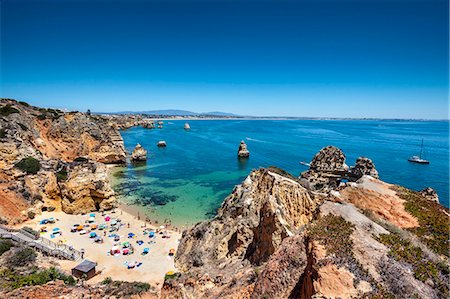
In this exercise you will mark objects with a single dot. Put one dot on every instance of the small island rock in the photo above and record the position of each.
(364, 166)
(243, 151)
(139, 153)
(162, 143)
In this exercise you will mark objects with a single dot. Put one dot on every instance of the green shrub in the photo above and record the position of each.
(23, 127)
(31, 231)
(7, 110)
(2, 133)
(424, 269)
(61, 175)
(24, 103)
(29, 165)
(31, 214)
(42, 116)
(22, 257)
(432, 217)
(124, 288)
(107, 280)
(81, 159)
(5, 245)
(15, 281)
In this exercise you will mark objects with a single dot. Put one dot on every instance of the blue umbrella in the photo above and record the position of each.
(130, 235)
(92, 215)
(56, 229)
(92, 234)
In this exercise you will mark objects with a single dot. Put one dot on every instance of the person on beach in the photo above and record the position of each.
(128, 224)
(82, 253)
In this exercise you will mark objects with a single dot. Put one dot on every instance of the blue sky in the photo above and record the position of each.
(384, 59)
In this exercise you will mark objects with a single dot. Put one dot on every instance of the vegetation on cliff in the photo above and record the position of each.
(29, 165)
(433, 220)
(8, 110)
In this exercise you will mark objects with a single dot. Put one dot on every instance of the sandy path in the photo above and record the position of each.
(154, 265)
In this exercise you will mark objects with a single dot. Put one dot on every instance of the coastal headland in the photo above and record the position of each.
(335, 231)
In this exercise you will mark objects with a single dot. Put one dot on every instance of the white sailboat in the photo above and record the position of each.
(419, 159)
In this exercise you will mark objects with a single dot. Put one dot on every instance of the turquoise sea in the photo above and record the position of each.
(187, 181)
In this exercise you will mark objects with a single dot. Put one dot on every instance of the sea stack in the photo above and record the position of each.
(243, 151)
(162, 143)
(160, 125)
(139, 153)
(187, 126)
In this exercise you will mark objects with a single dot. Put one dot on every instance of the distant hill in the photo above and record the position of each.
(175, 112)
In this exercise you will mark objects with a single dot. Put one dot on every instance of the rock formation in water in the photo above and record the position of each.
(148, 124)
(364, 166)
(274, 238)
(187, 126)
(430, 194)
(139, 153)
(243, 151)
(41, 151)
(162, 143)
(328, 168)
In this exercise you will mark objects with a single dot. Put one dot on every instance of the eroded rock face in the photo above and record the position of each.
(87, 189)
(430, 193)
(364, 166)
(55, 139)
(324, 169)
(139, 153)
(327, 169)
(250, 226)
(243, 151)
(329, 159)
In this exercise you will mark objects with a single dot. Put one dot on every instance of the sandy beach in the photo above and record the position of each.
(154, 265)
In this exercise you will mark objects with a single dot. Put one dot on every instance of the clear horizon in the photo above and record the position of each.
(368, 59)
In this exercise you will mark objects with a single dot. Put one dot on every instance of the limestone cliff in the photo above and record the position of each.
(50, 159)
(275, 238)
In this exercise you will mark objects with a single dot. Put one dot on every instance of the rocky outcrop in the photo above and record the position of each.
(139, 153)
(242, 150)
(364, 166)
(250, 226)
(328, 168)
(187, 126)
(430, 194)
(161, 143)
(87, 189)
(55, 142)
(275, 238)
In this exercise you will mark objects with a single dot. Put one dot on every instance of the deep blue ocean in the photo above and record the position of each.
(187, 181)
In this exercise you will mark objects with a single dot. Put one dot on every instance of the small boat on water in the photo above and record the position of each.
(418, 159)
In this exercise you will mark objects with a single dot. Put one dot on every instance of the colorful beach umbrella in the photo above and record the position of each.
(92, 215)
(56, 229)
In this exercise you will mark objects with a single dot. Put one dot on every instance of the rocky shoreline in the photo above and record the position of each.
(335, 231)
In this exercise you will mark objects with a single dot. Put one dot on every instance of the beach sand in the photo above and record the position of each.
(154, 265)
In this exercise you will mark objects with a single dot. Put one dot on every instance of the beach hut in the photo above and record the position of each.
(85, 269)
